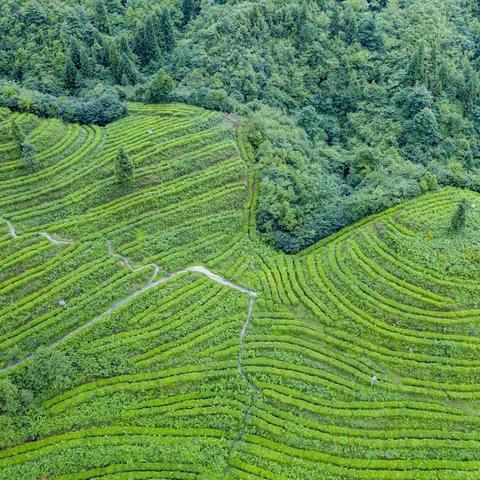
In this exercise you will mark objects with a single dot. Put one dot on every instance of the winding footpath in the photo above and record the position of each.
(53, 240)
(56, 241)
(256, 393)
(152, 283)
(10, 227)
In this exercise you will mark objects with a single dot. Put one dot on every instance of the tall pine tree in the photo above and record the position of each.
(165, 35)
(416, 72)
(124, 169)
(101, 20)
(190, 8)
(71, 76)
(145, 43)
(459, 218)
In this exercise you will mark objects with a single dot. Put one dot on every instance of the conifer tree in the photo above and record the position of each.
(469, 95)
(79, 56)
(101, 48)
(460, 216)
(101, 19)
(145, 44)
(416, 69)
(127, 71)
(77, 65)
(114, 61)
(166, 37)
(124, 46)
(71, 76)
(124, 70)
(124, 169)
(190, 8)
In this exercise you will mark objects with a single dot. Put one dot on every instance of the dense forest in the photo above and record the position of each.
(351, 106)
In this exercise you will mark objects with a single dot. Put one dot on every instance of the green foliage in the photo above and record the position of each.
(190, 9)
(146, 42)
(459, 218)
(100, 106)
(136, 372)
(71, 76)
(28, 152)
(9, 397)
(398, 79)
(49, 371)
(416, 71)
(124, 168)
(160, 88)
(101, 19)
(16, 133)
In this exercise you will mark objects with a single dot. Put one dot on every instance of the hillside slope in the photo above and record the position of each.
(169, 342)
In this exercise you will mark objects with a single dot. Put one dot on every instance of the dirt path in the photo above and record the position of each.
(126, 261)
(56, 241)
(53, 240)
(11, 228)
(152, 284)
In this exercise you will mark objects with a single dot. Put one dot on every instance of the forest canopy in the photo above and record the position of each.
(351, 106)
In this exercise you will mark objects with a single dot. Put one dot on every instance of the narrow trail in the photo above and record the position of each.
(11, 228)
(126, 261)
(256, 393)
(56, 241)
(152, 284)
(53, 240)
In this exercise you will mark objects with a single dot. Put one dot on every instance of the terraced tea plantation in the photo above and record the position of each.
(150, 334)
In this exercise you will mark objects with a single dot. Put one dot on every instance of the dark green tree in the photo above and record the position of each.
(310, 121)
(425, 128)
(459, 218)
(416, 72)
(165, 30)
(470, 92)
(50, 370)
(29, 160)
(71, 76)
(101, 49)
(9, 397)
(190, 8)
(145, 44)
(127, 71)
(124, 46)
(114, 61)
(101, 19)
(364, 161)
(124, 168)
(123, 63)
(160, 87)
(350, 27)
(77, 65)
(79, 55)
(416, 99)
(441, 77)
